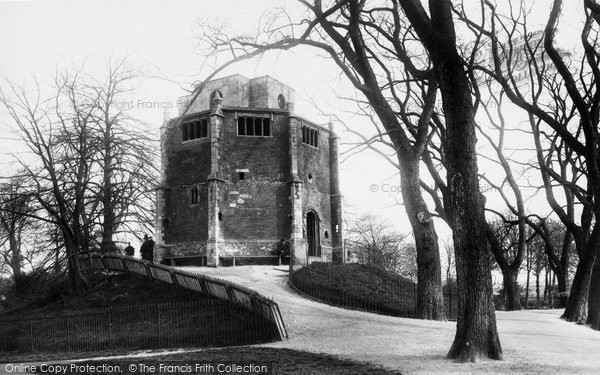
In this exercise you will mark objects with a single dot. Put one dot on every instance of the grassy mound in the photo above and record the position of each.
(103, 291)
(129, 311)
(358, 286)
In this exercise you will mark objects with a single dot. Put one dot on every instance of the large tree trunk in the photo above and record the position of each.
(430, 298)
(476, 333)
(576, 310)
(593, 318)
(72, 240)
(562, 279)
(511, 290)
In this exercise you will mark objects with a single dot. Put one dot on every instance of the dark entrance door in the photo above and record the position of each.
(312, 234)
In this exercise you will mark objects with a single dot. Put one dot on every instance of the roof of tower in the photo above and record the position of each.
(238, 91)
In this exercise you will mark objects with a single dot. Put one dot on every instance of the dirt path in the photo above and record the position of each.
(534, 341)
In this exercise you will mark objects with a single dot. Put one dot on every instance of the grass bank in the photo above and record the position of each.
(129, 311)
(358, 286)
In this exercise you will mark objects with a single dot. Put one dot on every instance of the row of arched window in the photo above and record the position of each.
(310, 136)
(254, 126)
(194, 130)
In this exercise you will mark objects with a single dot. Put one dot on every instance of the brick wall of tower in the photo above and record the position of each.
(187, 165)
(243, 216)
(254, 209)
(315, 192)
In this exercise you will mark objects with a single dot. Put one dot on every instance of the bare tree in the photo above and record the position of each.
(561, 99)
(126, 157)
(87, 168)
(373, 241)
(15, 208)
(60, 181)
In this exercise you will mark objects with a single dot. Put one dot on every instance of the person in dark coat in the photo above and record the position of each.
(283, 250)
(129, 250)
(147, 248)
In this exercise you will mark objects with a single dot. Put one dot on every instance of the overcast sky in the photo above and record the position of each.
(157, 37)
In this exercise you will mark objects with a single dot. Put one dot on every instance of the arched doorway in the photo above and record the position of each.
(312, 234)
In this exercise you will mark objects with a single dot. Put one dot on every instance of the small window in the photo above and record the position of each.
(326, 234)
(310, 177)
(310, 136)
(194, 195)
(196, 129)
(258, 129)
(241, 126)
(204, 129)
(249, 126)
(242, 175)
(220, 215)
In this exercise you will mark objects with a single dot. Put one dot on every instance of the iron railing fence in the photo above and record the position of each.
(204, 323)
(387, 297)
(207, 285)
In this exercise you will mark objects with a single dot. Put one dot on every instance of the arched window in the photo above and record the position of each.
(310, 136)
(194, 130)
(254, 126)
(204, 128)
(312, 234)
(281, 101)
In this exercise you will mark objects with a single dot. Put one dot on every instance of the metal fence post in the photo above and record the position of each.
(31, 334)
(158, 323)
(110, 335)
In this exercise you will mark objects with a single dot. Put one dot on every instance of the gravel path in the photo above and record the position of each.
(534, 341)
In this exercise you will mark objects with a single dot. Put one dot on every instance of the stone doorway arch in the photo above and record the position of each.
(313, 237)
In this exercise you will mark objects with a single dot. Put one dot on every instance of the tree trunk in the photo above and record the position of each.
(576, 306)
(476, 331)
(528, 267)
(562, 279)
(108, 224)
(76, 279)
(430, 297)
(593, 318)
(511, 290)
(71, 242)
(15, 261)
(537, 288)
(15, 250)
(546, 296)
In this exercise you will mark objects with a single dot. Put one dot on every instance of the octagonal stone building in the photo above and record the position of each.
(240, 171)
